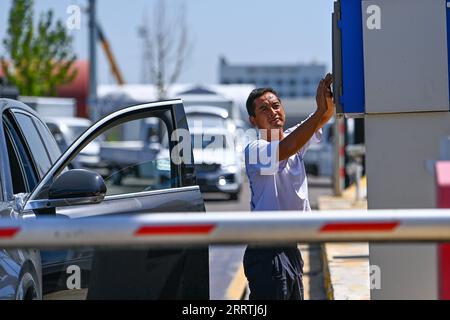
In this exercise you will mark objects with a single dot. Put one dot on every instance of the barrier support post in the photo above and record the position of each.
(443, 201)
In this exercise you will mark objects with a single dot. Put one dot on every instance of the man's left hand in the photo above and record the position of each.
(328, 94)
(325, 96)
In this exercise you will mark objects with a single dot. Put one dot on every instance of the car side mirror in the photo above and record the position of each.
(78, 184)
(73, 187)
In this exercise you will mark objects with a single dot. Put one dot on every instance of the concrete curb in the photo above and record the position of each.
(238, 287)
(345, 201)
(326, 274)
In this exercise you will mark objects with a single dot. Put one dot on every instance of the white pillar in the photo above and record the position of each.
(397, 149)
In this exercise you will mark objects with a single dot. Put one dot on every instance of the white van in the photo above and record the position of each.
(217, 160)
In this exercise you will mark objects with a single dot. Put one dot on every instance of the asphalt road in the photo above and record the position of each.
(225, 261)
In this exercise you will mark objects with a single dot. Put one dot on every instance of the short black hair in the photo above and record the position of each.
(255, 94)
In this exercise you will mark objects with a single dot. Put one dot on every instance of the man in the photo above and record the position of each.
(276, 172)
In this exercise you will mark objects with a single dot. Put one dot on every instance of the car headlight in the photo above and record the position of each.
(230, 168)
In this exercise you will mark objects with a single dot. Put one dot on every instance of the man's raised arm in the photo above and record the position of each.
(303, 133)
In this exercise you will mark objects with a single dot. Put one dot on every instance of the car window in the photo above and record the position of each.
(76, 131)
(17, 172)
(35, 143)
(73, 133)
(23, 175)
(50, 142)
(132, 158)
(59, 136)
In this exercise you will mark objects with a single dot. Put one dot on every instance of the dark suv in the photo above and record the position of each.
(37, 180)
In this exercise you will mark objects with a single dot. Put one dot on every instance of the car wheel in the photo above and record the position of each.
(27, 288)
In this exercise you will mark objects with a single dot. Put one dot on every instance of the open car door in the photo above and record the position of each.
(152, 180)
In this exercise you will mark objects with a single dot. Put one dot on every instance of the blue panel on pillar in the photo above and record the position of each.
(353, 98)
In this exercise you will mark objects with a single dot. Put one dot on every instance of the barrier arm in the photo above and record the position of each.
(165, 230)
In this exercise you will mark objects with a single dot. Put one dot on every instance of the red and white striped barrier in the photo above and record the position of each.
(156, 230)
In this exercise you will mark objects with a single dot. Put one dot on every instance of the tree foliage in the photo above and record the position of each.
(40, 56)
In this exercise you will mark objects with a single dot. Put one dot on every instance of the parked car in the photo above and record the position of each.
(149, 144)
(36, 182)
(218, 163)
(66, 130)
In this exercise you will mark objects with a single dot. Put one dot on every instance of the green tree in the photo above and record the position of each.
(40, 56)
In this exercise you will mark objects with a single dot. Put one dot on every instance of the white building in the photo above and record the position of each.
(290, 81)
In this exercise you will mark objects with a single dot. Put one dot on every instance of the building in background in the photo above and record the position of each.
(290, 81)
(230, 97)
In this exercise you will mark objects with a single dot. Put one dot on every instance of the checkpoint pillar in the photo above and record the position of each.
(391, 66)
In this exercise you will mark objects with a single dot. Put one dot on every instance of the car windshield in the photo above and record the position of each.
(206, 121)
(210, 141)
(77, 130)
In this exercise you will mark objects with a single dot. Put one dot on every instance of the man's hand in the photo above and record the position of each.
(324, 99)
(328, 94)
(320, 98)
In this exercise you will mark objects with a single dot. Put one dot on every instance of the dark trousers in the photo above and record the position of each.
(274, 273)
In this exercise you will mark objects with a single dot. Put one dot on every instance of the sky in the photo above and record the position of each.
(243, 31)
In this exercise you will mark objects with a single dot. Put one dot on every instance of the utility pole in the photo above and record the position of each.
(143, 33)
(92, 99)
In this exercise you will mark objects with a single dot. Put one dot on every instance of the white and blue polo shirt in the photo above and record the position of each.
(277, 185)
